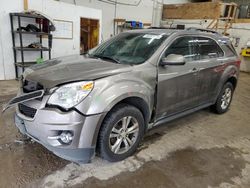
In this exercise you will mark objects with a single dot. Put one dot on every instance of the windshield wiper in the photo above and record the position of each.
(107, 58)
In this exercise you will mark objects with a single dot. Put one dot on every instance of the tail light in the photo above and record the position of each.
(238, 63)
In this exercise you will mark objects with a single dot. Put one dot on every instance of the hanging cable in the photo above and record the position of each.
(107, 2)
(127, 4)
(112, 2)
(115, 3)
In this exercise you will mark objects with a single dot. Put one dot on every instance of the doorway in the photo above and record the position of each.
(89, 34)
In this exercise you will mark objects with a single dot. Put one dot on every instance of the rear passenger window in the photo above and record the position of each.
(185, 46)
(208, 48)
(228, 50)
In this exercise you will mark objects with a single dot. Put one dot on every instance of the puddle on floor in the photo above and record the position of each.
(183, 168)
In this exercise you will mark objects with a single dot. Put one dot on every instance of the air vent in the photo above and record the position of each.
(27, 111)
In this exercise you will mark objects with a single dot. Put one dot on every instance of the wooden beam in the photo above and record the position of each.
(25, 5)
(233, 4)
(242, 21)
(207, 10)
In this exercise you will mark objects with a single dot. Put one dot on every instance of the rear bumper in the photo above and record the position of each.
(50, 122)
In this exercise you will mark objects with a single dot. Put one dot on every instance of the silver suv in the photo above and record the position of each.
(105, 100)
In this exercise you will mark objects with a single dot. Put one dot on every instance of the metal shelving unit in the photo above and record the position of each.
(22, 64)
(120, 25)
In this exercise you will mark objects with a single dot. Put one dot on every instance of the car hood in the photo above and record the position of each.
(72, 68)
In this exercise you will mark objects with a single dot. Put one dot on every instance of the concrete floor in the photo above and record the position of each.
(200, 150)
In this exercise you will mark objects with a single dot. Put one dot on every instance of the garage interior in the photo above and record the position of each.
(201, 150)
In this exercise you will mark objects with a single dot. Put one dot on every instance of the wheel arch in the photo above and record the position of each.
(139, 103)
(230, 74)
(135, 101)
(233, 80)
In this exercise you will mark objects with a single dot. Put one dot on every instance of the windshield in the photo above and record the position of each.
(129, 48)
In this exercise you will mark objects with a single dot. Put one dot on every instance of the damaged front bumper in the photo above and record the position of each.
(47, 124)
(78, 155)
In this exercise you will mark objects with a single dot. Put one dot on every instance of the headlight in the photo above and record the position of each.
(70, 95)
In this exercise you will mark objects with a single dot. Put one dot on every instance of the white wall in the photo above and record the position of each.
(143, 12)
(66, 9)
(7, 61)
(241, 30)
(55, 10)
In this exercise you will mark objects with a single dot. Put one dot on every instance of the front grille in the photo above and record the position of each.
(25, 97)
(30, 86)
(27, 111)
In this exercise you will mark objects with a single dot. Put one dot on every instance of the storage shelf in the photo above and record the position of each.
(120, 25)
(21, 14)
(32, 33)
(25, 64)
(31, 49)
(16, 23)
(128, 27)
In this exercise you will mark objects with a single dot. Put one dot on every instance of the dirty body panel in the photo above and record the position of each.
(164, 90)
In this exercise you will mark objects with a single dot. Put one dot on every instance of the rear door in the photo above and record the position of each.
(210, 68)
(177, 88)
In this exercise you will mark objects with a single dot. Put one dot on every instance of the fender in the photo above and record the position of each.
(110, 91)
(229, 72)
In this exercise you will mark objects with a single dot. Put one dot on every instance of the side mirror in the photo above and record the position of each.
(173, 59)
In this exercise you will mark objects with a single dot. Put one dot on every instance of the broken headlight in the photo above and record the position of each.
(69, 95)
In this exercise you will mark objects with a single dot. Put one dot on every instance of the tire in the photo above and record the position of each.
(224, 99)
(114, 144)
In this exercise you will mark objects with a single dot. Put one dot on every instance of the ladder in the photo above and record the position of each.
(224, 23)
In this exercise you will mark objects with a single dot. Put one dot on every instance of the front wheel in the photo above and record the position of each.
(121, 133)
(224, 100)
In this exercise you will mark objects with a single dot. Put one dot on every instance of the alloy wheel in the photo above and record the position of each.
(226, 98)
(123, 135)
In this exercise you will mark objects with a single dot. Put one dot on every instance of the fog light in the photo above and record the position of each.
(66, 137)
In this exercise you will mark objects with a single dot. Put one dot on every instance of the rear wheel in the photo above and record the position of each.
(224, 100)
(121, 133)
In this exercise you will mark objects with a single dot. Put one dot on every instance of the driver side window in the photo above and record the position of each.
(185, 46)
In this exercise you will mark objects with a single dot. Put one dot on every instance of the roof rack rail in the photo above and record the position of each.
(203, 30)
(174, 28)
(160, 28)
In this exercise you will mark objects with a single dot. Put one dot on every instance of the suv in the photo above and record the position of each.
(105, 100)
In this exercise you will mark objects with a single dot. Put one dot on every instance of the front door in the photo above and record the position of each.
(177, 88)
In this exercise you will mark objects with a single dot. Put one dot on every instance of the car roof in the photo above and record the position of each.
(192, 31)
(154, 31)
